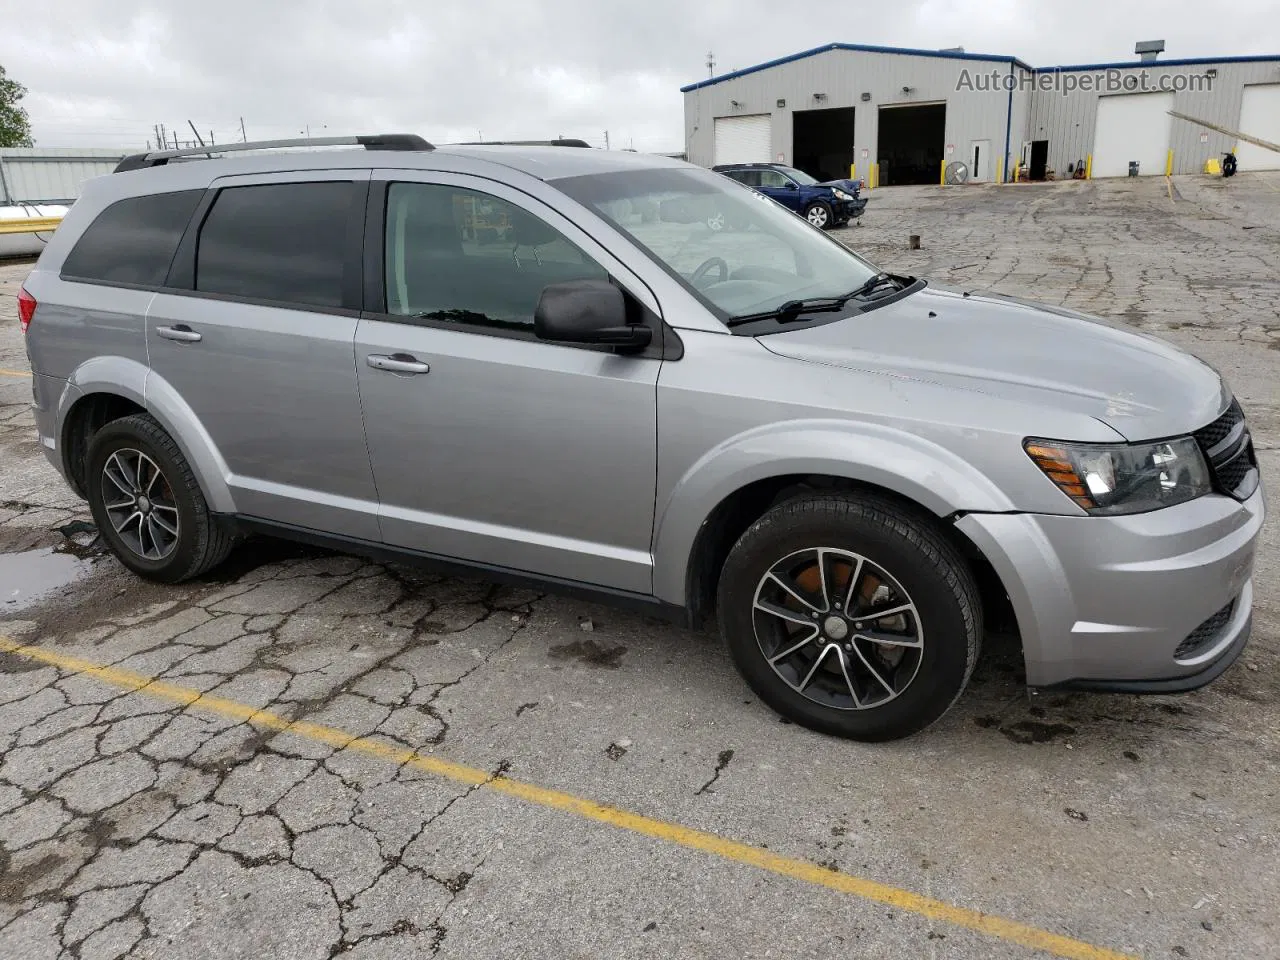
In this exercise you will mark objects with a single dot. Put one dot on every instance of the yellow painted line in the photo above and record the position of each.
(15, 373)
(1008, 930)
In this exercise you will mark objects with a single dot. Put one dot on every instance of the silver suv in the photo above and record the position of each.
(541, 363)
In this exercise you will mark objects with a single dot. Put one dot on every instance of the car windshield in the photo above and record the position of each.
(738, 251)
(799, 176)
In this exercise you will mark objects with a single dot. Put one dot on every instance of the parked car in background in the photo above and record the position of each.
(851, 471)
(825, 205)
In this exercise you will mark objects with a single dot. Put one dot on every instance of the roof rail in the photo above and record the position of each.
(559, 142)
(384, 141)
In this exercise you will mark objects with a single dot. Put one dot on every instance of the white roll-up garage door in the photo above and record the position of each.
(1131, 127)
(1259, 117)
(744, 139)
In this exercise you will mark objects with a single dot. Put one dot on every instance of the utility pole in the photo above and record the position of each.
(199, 139)
(244, 137)
(606, 139)
(711, 64)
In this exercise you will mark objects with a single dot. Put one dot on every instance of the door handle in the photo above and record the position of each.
(179, 332)
(398, 363)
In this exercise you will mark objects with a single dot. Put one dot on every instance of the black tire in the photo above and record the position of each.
(911, 552)
(202, 543)
(819, 214)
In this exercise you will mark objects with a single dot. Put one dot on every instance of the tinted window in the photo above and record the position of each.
(772, 178)
(456, 254)
(285, 242)
(134, 240)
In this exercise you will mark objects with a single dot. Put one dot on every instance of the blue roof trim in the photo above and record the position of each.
(1138, 64)
(988, 57)
(858, 47)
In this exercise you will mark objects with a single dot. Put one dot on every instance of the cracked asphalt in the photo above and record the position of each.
(390, 821)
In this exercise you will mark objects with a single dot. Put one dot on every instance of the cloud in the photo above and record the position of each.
(104, 74)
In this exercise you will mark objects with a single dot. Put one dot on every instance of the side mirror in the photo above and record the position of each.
(791, 185)
(587, 311)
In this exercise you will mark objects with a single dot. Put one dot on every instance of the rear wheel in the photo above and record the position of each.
(148, 505)
(849, 615)
(819, 214)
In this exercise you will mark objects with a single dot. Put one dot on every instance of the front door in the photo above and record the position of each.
(780, 187)
(489, 445)
(980, 161)
(258, 347)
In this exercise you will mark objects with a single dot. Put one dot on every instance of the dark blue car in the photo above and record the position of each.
(825, 205)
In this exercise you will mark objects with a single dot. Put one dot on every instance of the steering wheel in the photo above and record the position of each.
(705, 268)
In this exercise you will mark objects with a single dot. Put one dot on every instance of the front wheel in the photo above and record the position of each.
(148, 505)
(818, 214)
(851, 616)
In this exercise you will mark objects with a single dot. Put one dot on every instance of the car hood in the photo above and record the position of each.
(1140, 386)
(849, 186)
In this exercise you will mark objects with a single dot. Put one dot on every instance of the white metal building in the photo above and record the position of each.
(50, 174)
(901, 115)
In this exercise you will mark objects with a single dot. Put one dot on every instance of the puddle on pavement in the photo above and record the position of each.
(33, 575)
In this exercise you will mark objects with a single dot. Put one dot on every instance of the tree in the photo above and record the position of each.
(15, 128)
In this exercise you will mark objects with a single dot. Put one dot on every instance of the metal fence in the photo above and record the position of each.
(50, 174)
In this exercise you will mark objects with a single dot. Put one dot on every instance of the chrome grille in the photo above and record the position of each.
(1228, 448)
(1205, 635)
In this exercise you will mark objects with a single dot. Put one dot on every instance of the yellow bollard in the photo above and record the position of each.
(999, 169)
(1088, 167)
(942, 174)
(853, 171)
(1168, 165)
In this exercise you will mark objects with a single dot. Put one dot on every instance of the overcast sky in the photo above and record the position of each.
(104, 72)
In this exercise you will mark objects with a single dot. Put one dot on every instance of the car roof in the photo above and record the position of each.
(542, 162)
(553, 163)
(747, 166)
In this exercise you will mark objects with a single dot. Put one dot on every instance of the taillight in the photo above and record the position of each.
(26, 308)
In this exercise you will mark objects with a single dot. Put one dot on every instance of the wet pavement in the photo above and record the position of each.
(310, 755)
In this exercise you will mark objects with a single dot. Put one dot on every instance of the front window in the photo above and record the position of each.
(774, 178)
(738, 251)
(799, 176)
(461, 256)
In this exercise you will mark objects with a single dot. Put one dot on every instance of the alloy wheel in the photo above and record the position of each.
(837, 628)
(140, 504)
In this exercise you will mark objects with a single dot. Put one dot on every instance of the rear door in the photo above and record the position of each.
(488, 444)
(257, 342)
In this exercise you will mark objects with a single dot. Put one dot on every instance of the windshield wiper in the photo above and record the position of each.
(879, 280)
(793, 310)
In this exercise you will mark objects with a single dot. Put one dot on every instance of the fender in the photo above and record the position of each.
(910, 466)
(134, 381)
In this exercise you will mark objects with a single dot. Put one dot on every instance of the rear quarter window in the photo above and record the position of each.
(133, 241)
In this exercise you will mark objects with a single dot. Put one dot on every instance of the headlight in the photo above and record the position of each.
(1123, 478)
(841, 195)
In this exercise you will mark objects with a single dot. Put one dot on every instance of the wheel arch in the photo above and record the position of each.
(110, 388)
(733, 515)
(727, 490)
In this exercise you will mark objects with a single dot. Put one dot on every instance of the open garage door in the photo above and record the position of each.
(1132, 127)
(823, 142)
(744, 139)
(909, 143)
(1259, 117)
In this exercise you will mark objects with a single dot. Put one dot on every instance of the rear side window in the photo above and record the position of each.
(285, 242)
(133, 241)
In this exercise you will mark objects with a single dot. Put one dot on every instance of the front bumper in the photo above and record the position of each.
(1155, 602)
(846, 210)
